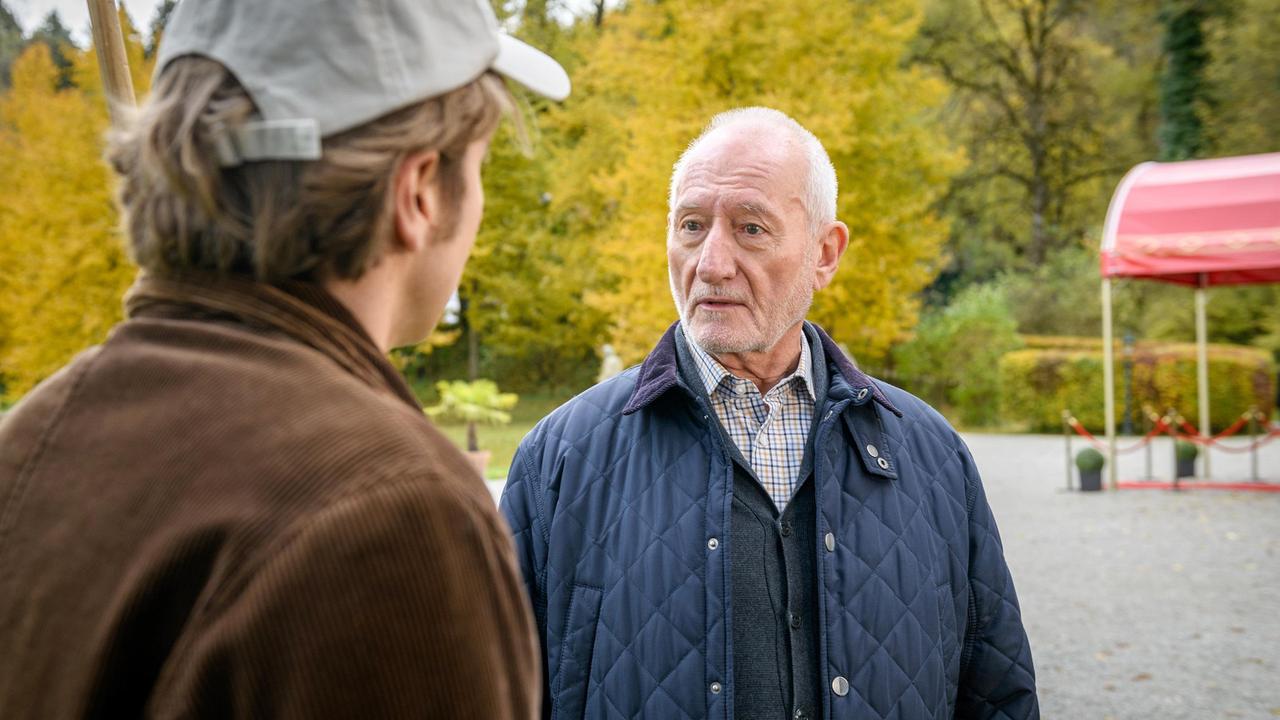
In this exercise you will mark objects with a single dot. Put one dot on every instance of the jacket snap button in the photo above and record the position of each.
(840, 686)
(713, 543)
(786, 529)
(862, 393)
(884, 464)
(715, 688)
(872, 451)
(830, 541)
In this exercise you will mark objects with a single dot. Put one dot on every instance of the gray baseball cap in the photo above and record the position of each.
(315, 68)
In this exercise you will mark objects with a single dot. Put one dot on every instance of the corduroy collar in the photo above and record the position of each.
(304, 312)
(659, 372)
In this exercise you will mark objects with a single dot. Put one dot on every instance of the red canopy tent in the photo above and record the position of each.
(1197, 223)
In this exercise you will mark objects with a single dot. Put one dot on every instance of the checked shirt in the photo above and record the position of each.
(770, 430)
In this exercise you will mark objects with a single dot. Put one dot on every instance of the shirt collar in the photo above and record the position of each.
(713, 374)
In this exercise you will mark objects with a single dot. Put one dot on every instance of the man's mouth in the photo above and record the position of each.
(717, 304)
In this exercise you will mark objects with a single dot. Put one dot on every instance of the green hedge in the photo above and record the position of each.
(1037, 384)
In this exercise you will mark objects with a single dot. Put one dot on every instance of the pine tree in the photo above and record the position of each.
(1183, 87)
(158, 23)
(62, 48)
(10, 43)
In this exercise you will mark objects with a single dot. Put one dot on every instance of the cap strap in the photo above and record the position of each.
(269, 140)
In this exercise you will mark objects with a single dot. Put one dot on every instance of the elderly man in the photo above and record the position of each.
(747, 525)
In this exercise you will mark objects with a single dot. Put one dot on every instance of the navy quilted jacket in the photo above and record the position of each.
(614, 497)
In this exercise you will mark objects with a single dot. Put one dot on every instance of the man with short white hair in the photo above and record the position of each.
(746, 525)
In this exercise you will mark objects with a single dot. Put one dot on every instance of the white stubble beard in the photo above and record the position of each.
(792, 309)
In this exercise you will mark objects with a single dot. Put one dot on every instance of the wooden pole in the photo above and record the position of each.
(1202, 368)
(112, 60)
(1109, 384)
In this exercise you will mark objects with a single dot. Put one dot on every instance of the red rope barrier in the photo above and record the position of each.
(1170, 424)
(1098, 444)
(1251, 446)
(1193, 435)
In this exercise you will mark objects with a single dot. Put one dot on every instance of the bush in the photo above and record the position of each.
(1067, 342)
(1037, 384)
(1185, 450)
(952, 359)
(1090, 460)
(473, 403)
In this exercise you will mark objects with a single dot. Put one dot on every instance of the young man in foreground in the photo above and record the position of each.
(234, 507)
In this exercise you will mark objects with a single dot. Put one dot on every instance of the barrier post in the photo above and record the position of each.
(1175, 422)
(1253, 442)
(1109, 383)
(1066, 435)
(1202, 372)
(1146, 431)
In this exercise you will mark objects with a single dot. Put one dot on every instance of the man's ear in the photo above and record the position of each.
(416, 204)
(831, 247)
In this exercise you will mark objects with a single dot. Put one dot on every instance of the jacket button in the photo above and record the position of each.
(800, 715)
(794, 621)
(840, 686)
(862, 394)
(872, 451)
(713, 543)
(787, 529)
(830, 542)
(884, 464)
(715, 688)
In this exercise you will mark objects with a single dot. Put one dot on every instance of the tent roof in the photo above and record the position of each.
(1215, 222)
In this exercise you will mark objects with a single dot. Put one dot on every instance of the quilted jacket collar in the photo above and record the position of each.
(659, 372)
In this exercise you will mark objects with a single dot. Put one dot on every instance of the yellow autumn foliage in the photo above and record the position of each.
(63, 260)
(572, 254)
(660, 71)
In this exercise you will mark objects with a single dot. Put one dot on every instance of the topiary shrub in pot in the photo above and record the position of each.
(473, 403)
(1186, 454)
(1090, 462)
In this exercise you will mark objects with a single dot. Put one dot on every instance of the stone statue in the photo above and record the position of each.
(611, 364)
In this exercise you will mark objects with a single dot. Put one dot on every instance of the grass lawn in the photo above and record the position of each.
(503, 440)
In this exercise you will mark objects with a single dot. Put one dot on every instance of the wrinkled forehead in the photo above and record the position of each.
(745, 165)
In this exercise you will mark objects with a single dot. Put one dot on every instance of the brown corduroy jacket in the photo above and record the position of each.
(235, 508)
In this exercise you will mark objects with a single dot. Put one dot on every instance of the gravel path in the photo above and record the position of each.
(1142, 603)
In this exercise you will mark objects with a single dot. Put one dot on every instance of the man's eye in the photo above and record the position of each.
(753, 229)
(691, 226)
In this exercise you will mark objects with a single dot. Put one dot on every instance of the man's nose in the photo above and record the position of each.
(716, 262)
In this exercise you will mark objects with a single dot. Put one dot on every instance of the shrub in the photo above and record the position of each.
(1037, 384)
(1090, 460)
(1185, 450)
(473, 403)
(952, 359)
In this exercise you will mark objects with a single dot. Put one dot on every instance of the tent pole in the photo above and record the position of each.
(1202, 367)
(1109, 383)
(113, 60)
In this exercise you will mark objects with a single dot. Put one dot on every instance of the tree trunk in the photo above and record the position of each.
(1039, 230)
(473, 341)
(473, 441)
